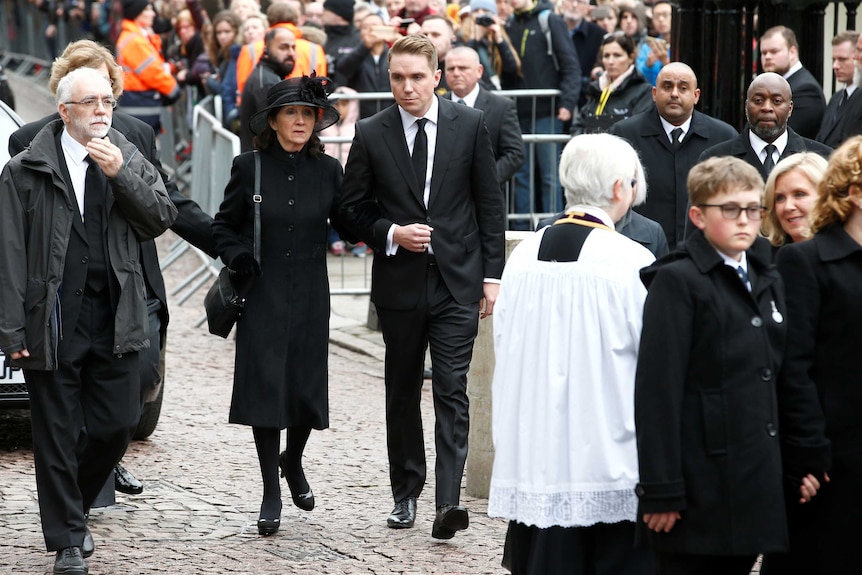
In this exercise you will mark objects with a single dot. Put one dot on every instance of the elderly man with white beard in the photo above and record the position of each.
(74, 208)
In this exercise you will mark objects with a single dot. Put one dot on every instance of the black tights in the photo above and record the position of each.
(266, 440)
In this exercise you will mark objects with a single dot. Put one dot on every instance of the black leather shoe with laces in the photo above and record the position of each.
(449, 519)
(70, 561)
(404, 514)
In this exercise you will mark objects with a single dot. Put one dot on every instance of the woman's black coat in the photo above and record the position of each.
(632, 96)
(824, 301)
(282, 337)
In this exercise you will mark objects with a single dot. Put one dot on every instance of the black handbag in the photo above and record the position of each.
(226, 297)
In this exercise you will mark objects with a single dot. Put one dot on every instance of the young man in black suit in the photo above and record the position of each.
(768, 138)
(843, 117)
(779, 53)
(421, 188)
(670, 139)
(464, 72)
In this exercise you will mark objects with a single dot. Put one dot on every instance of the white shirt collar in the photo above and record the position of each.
(593, 211)
(758, 144)
(408, 119)
(73, 148)
(850, 87)
(668, 128)
(743, 261)
(793, 69)
(469, 99)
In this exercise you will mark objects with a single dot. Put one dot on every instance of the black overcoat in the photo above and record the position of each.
(667, 169)
(282, 337)
(823, 277)
(707, 402)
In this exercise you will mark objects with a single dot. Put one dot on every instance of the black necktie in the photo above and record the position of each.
(95, 219)
(676, 134)
(768, 162)
(420, 153)
(94, 191)
(844, 97)
(460, 101)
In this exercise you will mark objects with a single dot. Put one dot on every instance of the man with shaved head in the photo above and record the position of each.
(670, 138)
(768, 138)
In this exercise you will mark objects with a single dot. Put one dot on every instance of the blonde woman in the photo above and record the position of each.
(791, 192)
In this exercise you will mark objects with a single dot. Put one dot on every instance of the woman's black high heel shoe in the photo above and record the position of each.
(267, 527)
(304, 501)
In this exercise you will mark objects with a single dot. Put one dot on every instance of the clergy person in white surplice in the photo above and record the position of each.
(567, 325)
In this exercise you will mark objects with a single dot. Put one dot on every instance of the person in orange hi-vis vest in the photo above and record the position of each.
(147, 79)
(310, 57)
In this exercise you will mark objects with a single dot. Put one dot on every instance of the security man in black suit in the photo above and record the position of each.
(501, 118)
(779, 53)
(74, 313)
(192, 224)
(768, 138)
(421, 188)
(669, 139)
(843, 117)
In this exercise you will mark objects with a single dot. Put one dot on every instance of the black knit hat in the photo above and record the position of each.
(133, 8)
(343, 8)
(306, 91)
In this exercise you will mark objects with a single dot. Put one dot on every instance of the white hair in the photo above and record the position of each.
(592, 163)
(69, 81)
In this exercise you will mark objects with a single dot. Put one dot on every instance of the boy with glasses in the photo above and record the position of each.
(708, 396)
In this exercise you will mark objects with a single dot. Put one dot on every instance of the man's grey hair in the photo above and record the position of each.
(68, 82)
(592, 163)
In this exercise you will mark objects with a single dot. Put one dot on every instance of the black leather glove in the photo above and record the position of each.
(244, 264)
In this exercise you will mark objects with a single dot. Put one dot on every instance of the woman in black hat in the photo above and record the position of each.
(280, 374)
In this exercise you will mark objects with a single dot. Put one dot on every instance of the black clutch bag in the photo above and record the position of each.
(225, 299)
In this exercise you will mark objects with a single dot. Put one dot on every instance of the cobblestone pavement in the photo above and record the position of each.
(200, 505)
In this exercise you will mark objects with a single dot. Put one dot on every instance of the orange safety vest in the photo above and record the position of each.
(309, 56)
(140, 56)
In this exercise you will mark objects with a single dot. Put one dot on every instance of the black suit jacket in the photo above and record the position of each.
(501, 119)
(740, 147)
(809, 104)
(465, 206)
(666, 170)
(192, 224)
(840, 124)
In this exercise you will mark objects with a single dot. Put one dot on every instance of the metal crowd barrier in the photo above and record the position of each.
(213, 150)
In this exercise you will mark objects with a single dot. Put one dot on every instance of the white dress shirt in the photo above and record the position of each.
(408, 122)
(75, 153)
(759, 146)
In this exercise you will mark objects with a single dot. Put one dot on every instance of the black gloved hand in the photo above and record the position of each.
(244, 264)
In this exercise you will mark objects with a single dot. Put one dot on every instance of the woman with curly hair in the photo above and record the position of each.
(282, 337)
(791, 192)
(823, 280)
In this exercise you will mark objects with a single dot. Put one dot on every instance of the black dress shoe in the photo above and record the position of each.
(304, 501)
(89, 545)
(267, 527)
(125, 482)
(404, 514)
(449, 519)
(70, 561)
